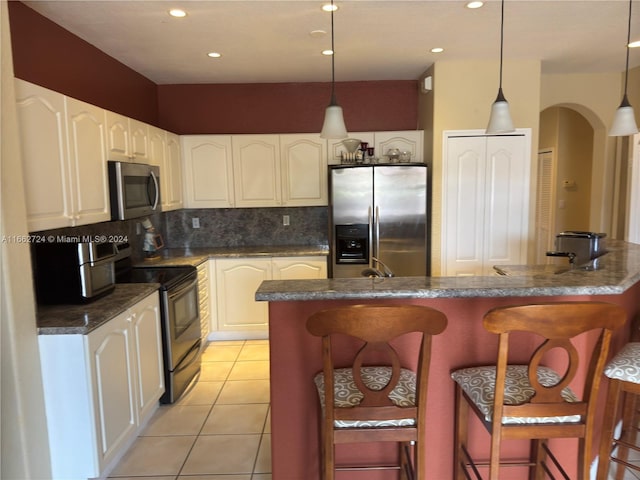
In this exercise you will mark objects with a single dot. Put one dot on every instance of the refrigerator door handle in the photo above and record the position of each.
(371, 253)
(376, 252)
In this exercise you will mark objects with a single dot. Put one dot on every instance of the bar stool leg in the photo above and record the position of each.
(629, 430)
(461, 430)
(608, 425)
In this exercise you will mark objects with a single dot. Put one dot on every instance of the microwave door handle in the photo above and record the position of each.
(157, 190)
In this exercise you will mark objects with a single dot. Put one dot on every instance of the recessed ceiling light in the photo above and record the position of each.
(177, 12)
(635, 44)
(327, 52)
(317, 33)
(437, 50)
(474, 4)
(214, 54)
(329, 8)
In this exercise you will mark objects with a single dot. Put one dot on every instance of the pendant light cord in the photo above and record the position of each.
(333, 68)
(626, 70)
(501, 41)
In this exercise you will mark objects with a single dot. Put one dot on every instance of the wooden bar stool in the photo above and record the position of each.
(534, 401)
(624, 388)
(374, 398)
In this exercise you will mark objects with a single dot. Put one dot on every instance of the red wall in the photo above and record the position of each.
(48, 55)
(286, 107)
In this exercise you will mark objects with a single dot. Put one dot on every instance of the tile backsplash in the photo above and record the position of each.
(232, 227)
(239, 227)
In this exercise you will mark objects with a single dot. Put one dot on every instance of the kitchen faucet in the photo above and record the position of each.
(387, 270)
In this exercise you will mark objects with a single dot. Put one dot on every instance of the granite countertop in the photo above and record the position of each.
(617, 270)
(195, 256)
(82, 319)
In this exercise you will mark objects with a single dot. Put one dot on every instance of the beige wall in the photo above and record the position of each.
(461, 100)
(570, 135)
(596, 97)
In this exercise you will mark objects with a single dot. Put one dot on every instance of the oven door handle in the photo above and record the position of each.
(182, 288)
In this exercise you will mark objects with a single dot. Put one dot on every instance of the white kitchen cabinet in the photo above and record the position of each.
(90, 182)
(65, 169)
(336, 148)
(404, 140)
(239, 315)
(237, 280)
(172, 190)
(407, 140)
(100, 388)
(299, 268)
(256, 170)
(485, 202)
(46, 166)
(203, 298)
(208, 171)
(127, 138)
(147, 354)
(165, 152)
(304, 170)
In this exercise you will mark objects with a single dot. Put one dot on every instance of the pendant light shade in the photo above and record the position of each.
(500, 119)
(333, 126)
(624, 122)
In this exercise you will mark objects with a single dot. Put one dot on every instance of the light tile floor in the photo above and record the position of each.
(218, 430)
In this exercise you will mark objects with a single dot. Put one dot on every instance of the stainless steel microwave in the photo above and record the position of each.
(134, 189)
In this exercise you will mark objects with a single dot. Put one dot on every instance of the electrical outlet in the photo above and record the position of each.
(195, 222)
(285, 220)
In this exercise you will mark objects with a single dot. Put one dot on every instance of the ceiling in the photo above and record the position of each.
(264, 41)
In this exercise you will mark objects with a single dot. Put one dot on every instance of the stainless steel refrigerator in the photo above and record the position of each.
(378, 221)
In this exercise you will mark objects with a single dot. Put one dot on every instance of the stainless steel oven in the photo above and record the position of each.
(181, 333)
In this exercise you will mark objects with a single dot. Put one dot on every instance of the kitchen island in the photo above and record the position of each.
(296, 355)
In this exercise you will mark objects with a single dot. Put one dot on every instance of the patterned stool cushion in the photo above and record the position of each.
(479, 385)
(625, 365)
(376, 378)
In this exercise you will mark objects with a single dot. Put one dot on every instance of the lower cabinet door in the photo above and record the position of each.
(110, 363)
(147, 340)
(237, 281)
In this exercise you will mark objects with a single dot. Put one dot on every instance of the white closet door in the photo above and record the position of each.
(485, 202)
(506, 202)
(463, 203)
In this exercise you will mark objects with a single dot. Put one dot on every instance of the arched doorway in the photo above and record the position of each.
(565, 173)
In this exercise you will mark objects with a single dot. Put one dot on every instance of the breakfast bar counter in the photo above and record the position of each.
(296, 355)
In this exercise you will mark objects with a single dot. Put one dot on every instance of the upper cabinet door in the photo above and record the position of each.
(41, 117)
(404, 141)
(127, 139)
(256, 170)
(138, 141)
(304, 170)
(117, 137)
(208, 171)
(87, 137)
(336, 147)
(173, 171)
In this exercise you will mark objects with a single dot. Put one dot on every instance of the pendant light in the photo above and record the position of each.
(624, 122)
(333, 126)
(500, 119)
